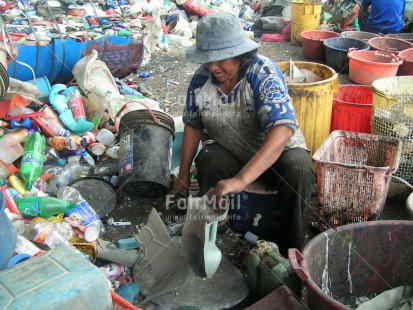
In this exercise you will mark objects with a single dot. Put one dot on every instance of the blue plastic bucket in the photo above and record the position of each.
(43, 85)
(8, 236)
(337, 49)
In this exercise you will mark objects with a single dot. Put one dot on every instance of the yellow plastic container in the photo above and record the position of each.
(313, 102)
(304, 16)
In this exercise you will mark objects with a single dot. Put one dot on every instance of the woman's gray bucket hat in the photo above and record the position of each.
(219, 36)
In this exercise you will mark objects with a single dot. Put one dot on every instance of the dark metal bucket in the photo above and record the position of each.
(355, 260)
(145, 153)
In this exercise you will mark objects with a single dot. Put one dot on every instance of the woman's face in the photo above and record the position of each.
(224, 70)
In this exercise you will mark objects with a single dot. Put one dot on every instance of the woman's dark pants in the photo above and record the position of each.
(292, 175)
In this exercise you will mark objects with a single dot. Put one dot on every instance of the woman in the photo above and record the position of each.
(241, 100)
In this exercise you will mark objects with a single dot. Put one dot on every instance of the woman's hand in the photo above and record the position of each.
(227, 187)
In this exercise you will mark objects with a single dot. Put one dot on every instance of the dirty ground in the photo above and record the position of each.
(169, 75)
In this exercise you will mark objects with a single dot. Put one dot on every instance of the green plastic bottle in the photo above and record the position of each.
(44, 206)
(356, 24)
(32, 161)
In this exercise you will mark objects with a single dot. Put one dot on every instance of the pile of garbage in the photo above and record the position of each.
(69, 28)
(51, 137)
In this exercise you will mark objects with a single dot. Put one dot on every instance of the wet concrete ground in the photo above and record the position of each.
(229, 242)
(169, 76)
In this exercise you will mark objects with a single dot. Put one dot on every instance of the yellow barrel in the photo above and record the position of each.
(313, 102)
(304, 16)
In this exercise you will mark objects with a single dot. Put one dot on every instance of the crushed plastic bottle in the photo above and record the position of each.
(83, 211)
(54, 239)
(64, 176)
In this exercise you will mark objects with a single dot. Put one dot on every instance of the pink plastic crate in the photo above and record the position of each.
(353, 176)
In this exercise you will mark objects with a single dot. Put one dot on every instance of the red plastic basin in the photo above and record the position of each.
(367, 66)
(312, 42)
(352, 108)
(407, 66)
(391, 45)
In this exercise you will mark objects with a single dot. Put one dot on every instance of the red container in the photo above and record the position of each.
(407, 66)
(367, 66)
(312, 41)
(353, 176)
(352, 108)
(391, 45)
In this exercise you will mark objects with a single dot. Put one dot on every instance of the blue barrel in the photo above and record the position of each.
(337, 49)
(8, 236)
(39, 58)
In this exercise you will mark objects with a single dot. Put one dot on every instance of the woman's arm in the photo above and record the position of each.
(270, 150)
(189, 148)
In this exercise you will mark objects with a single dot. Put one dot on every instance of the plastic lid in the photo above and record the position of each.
(84, 142)
(59, 184)
(62, 161)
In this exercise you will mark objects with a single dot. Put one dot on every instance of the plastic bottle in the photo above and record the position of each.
(21, 135)
(83, 210)
(105, 136)
(65, 143)
(64, 176)
(24, 246)
(74, 159)
(25, 122)
(32, 162)
(42, 206)
(113, 152)
(97, 148)
(89, 159)
(14, 193)
(17, 185)
(76, 104)
(41, 182)
(11, 149)
(54, 239)
(50, 122)
(88, 137)
(37, 230)
(87, 233)
(68, 153)
(52, 157)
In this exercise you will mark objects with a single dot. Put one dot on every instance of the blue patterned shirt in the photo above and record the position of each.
(240, 120)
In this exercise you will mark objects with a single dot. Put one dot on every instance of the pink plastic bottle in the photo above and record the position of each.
(76, 104)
